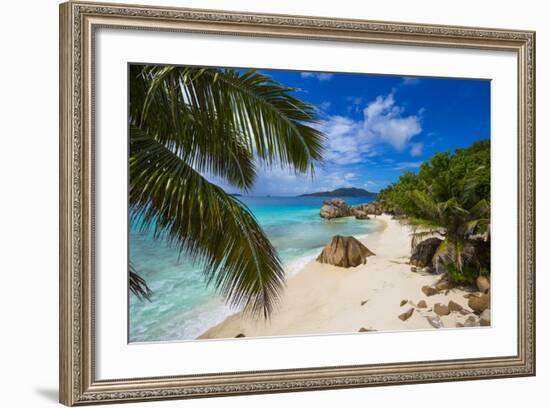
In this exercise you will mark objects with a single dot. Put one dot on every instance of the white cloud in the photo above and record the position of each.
(378, 106)
(351, 141)
(407, 165)
(345, 144)
(416, 149)
(384, 122)
(322, 76)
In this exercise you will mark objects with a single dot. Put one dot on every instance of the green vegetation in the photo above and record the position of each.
(450, 195)
(189, 125)
(343, 192)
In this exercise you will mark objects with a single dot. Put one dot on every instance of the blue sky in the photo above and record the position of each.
(378, 126)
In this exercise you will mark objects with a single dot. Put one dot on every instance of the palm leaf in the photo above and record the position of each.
(184, 104)
(174, 201)
(477, 226)
(185, 121)
(137, 285)
(201, 138)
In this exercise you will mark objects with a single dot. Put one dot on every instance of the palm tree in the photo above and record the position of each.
(458, 218)
(189, 126)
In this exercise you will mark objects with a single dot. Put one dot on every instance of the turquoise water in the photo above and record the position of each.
(183, 307)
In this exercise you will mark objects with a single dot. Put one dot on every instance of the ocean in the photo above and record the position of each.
(183, 306)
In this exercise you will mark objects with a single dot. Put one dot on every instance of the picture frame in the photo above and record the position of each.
(79, 22)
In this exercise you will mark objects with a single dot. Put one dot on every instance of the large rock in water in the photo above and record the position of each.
(359, 211)
(362, 211)
(424, 252)
(335, 208)
(374, 208)
(344, 252)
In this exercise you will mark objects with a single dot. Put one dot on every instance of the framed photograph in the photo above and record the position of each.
(260, 203)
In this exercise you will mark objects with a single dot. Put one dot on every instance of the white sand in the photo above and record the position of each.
(324, 299)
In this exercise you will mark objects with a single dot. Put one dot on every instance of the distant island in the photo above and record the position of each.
(343, 192)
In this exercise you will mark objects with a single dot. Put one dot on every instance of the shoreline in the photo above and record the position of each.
(325, 299)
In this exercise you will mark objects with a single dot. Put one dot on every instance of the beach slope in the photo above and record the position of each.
(325, 299)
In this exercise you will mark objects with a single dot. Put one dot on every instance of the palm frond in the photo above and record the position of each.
(482, 209)
(201, 138)
(426, 206)
(184, 104)
(430, 225)
(175, 202)
(477, 226)
(220, 123)
(138, 285)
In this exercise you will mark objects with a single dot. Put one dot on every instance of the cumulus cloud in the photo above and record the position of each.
(384, 122)
(350, 141)
(345, 144)
(321, 76)
(350, 148)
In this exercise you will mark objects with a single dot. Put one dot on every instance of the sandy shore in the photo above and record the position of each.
(323, 299)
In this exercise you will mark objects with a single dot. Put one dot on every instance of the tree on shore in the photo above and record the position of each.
(450, 195)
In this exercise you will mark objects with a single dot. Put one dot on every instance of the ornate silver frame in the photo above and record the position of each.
(78, 22)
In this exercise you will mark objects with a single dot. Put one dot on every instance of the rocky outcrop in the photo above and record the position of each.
(374, 208)
(365, 330)
(359, 211)
(429, 291)
(422, 304)
(345, 252)
(475, 254)
(424, 252)
(485, 318)
(441, 310)
(335, 208)
(454, 307)
(362, 216)
(406, 315)
(483, 284)
(471, 322)
(435, 321)
(479, 303)
(442, 285)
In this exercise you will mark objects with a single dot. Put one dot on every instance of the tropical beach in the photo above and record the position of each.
(323, 298)
(273, 203)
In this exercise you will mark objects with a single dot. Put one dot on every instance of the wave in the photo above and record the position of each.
(296, 265)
